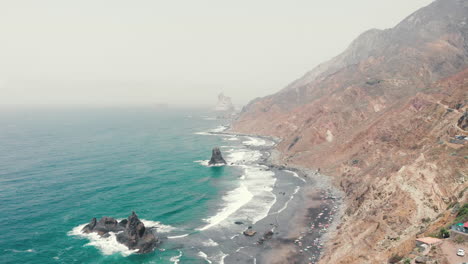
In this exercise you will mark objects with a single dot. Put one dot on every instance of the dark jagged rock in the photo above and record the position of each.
(216, 157)
(137, 236)
(463, 121)
(131, 232)
(268, 235)
(104, 226)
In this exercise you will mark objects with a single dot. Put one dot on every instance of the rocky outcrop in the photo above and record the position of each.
(224, 108)
(131, 232)
(463, 121)
(224, 103)
(216, 157)
(378, 119)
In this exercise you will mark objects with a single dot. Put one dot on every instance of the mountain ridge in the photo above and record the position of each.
(379, 119)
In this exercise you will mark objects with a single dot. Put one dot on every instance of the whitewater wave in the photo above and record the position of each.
(241, 156)
(253, 198)
(205, 163)
(22, 251)
(210, 243)
(257, 142)
(295, 175)
(109, 245)
(234, 200)
(287, 202)
(176, 259)
(204, 256)
(213, 131)
(180, 236)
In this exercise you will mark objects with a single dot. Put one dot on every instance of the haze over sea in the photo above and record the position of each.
(61, 167)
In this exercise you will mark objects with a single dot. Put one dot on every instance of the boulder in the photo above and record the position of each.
(250, 232)
(216, 157)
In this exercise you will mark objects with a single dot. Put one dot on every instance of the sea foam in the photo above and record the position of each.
(253, 198)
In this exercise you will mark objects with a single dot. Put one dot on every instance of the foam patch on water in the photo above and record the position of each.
(219, 129)
(260, 182)
(109, 245)
(242, 156)
(210, 243)
(213, 131)
(180, 236)
(205, 163)
(203, 133)
(204, 256)
(22, 251)
(287, 202)
(253, 198)
(233, 200)
(176, 259)
(295, 175)
(160, 228)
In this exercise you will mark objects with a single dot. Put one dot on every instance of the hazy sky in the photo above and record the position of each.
(174, 51)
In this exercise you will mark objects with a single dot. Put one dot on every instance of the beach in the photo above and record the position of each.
(295, 228)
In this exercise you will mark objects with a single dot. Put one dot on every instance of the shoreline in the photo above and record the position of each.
(302, 226)
(291, 210)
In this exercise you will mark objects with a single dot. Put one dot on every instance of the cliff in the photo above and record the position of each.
(381, 119)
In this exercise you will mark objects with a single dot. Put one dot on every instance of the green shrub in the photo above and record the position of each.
(444, 233)
(407, 261)
(462, 215)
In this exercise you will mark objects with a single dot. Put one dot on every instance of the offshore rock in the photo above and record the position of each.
(216, 157)
(131, 232)
(224, 108)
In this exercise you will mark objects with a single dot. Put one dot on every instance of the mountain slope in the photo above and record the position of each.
(379, 119)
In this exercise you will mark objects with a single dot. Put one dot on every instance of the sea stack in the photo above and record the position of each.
(216, 157)
(131, 232)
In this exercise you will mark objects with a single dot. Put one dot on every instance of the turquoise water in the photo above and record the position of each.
(60, 168)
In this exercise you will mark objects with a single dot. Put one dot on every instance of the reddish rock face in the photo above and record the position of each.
(379, 119)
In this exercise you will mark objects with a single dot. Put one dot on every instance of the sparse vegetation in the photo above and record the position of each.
(407, 261)
(462, 215)
(444, 233)
(459, 240)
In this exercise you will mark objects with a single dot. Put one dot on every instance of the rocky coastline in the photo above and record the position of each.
(298, 234)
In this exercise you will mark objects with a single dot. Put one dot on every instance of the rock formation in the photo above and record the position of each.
(131, 232)
(224, 108)
(216, 157)
(463, 121)
(388, 102)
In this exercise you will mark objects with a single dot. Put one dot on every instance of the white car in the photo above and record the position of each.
(461, 252)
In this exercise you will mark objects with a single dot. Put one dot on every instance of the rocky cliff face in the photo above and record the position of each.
(380, 119)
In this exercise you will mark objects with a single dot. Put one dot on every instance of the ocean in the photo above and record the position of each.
(61, 167)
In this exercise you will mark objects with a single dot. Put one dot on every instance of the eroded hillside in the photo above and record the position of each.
(382, 119)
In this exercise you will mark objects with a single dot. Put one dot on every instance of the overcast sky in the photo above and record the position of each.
(176, 52)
